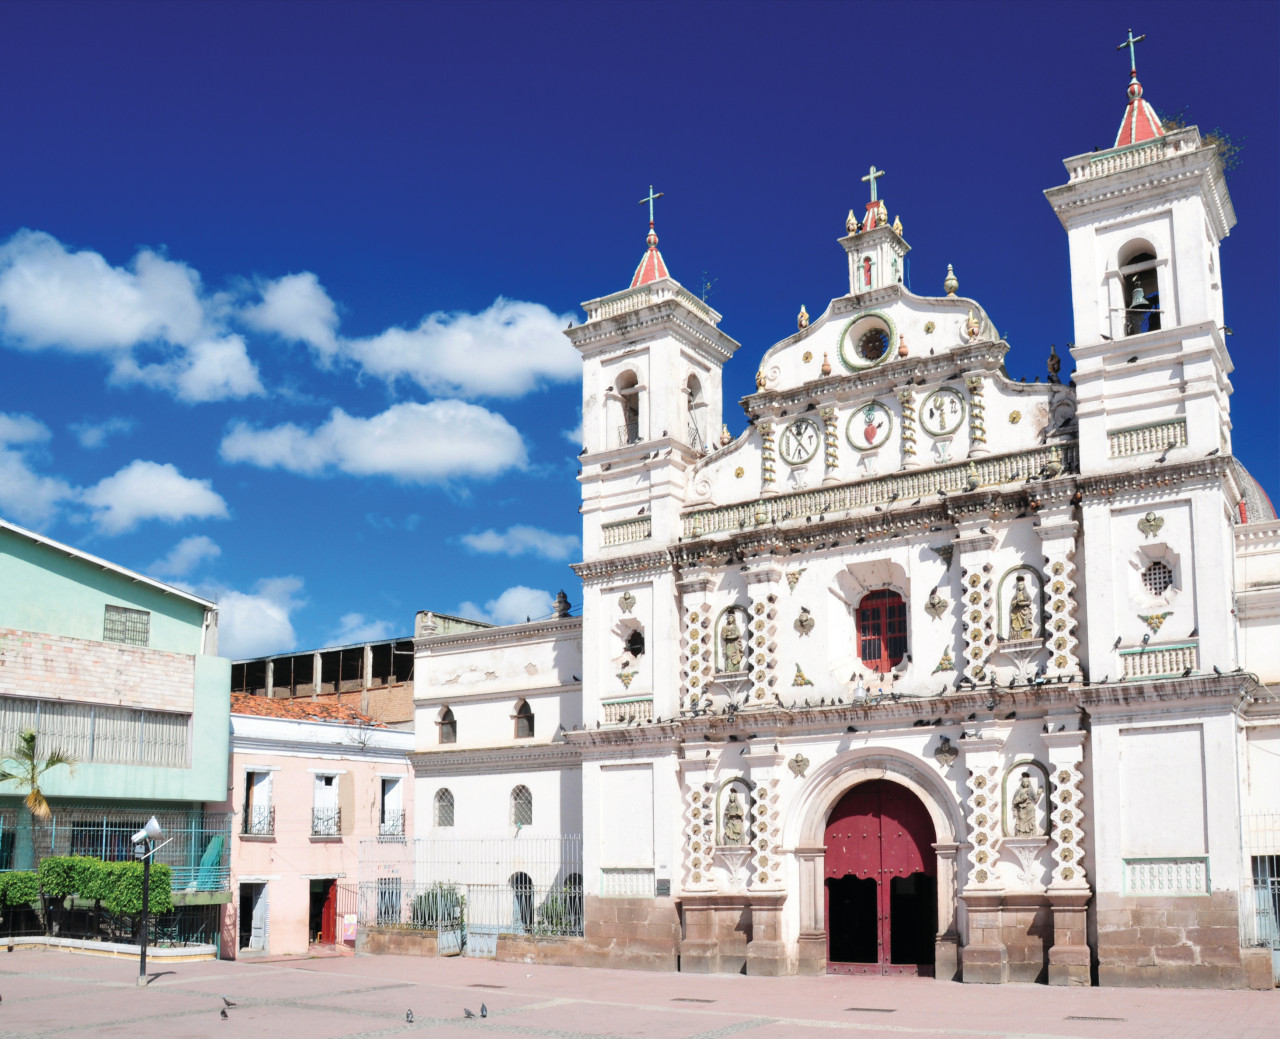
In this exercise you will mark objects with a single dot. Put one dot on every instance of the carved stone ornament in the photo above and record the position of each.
(625, 678)
(626, 601)
(947, 663)
(804, 623)
(1150, 524)
(1154, 620)
(944, 552)
(793, 577)
(945, 752)
(799, 765)
(800, 678)
(936, 606)
(1024, 805)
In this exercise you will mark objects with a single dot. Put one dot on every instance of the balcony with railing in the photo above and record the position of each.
(391, 824)
(326, 822)
(259, 821)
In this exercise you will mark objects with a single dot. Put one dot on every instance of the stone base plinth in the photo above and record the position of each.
(811, 950)
(632, 933)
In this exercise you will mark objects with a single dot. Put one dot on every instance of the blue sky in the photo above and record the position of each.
(281, 284)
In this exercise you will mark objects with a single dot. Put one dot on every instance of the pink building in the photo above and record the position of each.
(309, 781)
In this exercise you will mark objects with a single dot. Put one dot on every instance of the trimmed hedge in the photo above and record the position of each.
(117, 886)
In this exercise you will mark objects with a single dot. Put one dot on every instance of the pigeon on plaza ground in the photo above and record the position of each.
(467, 1013)
(484, 1010)
(408, 1017)
(11, 948)
(227, 1002)
(223, 1013)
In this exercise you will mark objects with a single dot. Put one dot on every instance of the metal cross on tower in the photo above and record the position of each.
(873, 175)
(650, 199)
(1133, 60)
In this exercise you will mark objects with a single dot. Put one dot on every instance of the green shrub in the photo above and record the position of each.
(117, 885)
(122, 890)
(62, 875)
(441, 904)
(19, 888)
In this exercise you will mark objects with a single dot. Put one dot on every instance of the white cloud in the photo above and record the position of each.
(254, 624)
(54, 298)
(26, 496)
(185, 556)
(506, 350)
(296, 307)
(353, 628)
(574, 436)
(518, 540)
(149, 490)
(414, 443)
(93, 435)
(514, 606)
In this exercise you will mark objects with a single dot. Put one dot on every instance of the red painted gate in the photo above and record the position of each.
(881, 882)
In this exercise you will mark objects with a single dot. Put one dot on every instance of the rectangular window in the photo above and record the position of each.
(324, 808)
(259, 812)
(391, 817)
(107, 840)
(131, 627)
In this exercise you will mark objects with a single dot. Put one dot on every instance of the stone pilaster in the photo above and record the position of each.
(1058, 532)
(977, 600)
(985, 959)
(1069, 892)
(907, 398)
(812, 942)
(946, 948)
(764, 578)
(697, 661)
(766, 952)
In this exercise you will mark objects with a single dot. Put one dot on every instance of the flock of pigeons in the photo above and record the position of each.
(467, 1012)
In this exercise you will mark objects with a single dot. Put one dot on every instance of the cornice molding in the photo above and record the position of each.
(540, 757)
(556, 628)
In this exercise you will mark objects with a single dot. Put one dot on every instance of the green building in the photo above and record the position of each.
(121, 672)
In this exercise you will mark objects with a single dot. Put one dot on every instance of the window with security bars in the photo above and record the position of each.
(98, 733)
(131, 627)
(882, 630)
(521, 807)
(1157, 578)
(444, 807)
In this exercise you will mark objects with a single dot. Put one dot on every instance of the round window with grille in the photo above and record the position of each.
(1157, 578)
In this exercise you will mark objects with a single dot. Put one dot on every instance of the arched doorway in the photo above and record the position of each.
(881, 874)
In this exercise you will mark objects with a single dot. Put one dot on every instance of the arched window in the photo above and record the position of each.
(524, 720)
(522, 898)
(1141, 287)
(882, 630)
(521, 807)
(444, 807)
(697, 413)
(448, 726)
(627, 387)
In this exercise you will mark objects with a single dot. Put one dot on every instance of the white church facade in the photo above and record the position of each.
(928, 671)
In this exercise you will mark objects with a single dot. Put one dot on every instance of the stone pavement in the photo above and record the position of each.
(63, 994)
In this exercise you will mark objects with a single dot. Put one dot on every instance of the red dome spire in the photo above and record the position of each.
(652, 267)
(1140, 122)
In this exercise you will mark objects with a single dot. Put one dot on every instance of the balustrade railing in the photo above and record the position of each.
(1160, 661)
(622, 532)
(1141, 440)
(326, 822)
(259, 821)
(391, 824)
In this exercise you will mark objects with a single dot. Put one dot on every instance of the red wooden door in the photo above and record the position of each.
(329, 916)
(877, 832)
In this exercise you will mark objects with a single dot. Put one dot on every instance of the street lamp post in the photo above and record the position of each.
(144, 843)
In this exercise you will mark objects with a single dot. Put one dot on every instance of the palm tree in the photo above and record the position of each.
(29, 770)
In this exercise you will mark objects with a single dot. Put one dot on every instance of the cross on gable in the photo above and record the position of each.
(872, 176)
(1133, 60)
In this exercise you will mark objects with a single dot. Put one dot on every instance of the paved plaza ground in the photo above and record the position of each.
(62, 994)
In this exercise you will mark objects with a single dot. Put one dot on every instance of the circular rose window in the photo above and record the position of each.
(867, 341)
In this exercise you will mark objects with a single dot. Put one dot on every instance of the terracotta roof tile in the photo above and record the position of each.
(299, 709)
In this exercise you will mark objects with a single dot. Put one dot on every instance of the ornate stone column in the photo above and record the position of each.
(977, 600)
(831, 446)
(906, 397)
(763, 577)
(768, 458)
(977, 416)
(1069, 891)
(697, 662)
(1058, 532)
(985, 958)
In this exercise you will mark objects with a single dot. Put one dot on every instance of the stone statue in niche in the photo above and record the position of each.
(733, 827)
(1024, 804)
(1022, 620)
(731, 652)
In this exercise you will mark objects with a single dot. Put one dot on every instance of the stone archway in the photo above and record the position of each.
(806, 829)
